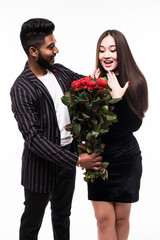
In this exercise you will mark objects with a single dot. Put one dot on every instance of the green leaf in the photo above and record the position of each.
(108, 96)
(85, 115)
(88, 106)
(104, 78)
(102, 131)
(115, 100)
(105, 164)
(68, 127)
(95, 107)
(88, 150)
(75, 117)
(94, 121)
(97, 127)
(82, 97)
(104, 109)
(65, 100)
(79, 99)
(89, 135)
(96, 100)
(77, 128)
(111, 116)
(95, 134)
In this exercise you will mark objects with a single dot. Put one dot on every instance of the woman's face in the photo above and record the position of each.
(108, 54)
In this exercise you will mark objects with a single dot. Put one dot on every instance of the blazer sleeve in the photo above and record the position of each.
(67, 74)
(24, 107)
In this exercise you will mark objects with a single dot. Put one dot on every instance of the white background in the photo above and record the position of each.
(78, 27)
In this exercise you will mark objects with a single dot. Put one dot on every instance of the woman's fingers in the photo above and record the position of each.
(92, 75)
(112, 80)
(126, 86)
(117, 91)
(96, 73)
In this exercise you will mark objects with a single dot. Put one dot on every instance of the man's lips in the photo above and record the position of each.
(52, 58)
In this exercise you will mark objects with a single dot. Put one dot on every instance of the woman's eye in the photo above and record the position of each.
(113, 50)
(101, 51)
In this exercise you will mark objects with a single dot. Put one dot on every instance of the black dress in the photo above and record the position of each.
(124, 157)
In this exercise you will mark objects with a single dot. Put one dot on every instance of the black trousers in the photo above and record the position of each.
(60, 199)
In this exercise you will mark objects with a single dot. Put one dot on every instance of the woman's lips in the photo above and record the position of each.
(108, 63)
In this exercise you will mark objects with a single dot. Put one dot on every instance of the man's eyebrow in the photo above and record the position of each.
(51, 45)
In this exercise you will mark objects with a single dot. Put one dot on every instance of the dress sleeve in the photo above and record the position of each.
(127, 119)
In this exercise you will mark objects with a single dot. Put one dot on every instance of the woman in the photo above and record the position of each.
(112, 198)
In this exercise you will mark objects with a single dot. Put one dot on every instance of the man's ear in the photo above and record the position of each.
(33, 51)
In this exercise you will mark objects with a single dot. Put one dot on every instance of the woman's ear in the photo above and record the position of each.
(33, 52)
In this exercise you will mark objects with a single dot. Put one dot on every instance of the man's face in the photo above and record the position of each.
(47, 52)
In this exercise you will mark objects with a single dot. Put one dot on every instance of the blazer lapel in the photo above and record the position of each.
(60, 76)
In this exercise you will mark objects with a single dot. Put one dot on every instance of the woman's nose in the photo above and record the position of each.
(107, 54)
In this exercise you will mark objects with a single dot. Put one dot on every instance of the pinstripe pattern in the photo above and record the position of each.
(34, 111)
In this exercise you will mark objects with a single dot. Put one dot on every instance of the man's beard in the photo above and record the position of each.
(43, 62)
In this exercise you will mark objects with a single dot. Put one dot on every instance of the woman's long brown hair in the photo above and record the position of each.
(137, 92)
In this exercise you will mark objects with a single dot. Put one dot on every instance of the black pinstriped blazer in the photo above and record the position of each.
(34, 111)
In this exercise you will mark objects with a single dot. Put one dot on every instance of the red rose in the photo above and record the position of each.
(84, 82)
(87, 82)
(101, 83)
(92, 85)
(81, 83)
(76, 85)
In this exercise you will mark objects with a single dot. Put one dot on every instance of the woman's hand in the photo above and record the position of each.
(96, 73)
(117, 90)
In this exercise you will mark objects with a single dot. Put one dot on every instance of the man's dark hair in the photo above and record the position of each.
(34, 31)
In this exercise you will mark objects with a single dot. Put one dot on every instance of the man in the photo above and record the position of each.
(49, 160)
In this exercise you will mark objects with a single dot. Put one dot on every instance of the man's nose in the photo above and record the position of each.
(55, 50)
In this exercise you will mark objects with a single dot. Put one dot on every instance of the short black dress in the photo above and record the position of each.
(125, 162)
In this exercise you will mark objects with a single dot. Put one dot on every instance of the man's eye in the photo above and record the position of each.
(51, 47)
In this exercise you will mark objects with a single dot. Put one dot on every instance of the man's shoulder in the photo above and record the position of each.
(22, 81)
(18, 78)
(21, 78)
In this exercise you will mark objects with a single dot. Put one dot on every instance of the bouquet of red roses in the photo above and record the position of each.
(91, 110)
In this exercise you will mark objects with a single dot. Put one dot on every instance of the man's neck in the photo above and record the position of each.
(37, 69)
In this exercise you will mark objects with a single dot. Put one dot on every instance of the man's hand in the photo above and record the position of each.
(91, 161)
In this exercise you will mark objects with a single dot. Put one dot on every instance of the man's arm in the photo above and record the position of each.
(25, 112)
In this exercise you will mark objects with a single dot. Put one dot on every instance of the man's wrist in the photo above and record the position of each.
(79, 161)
